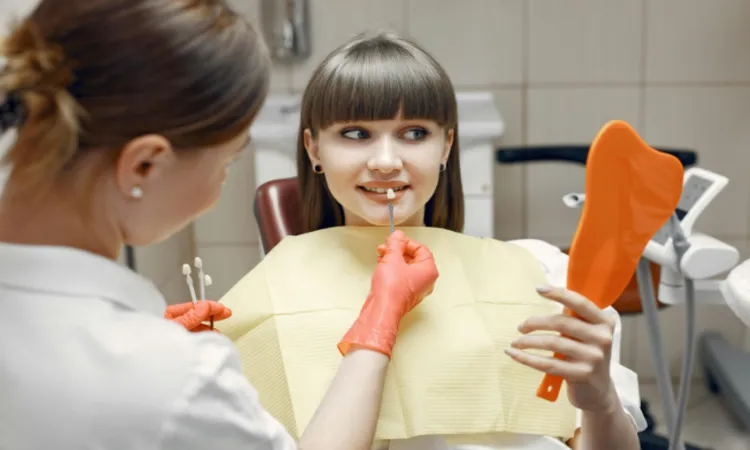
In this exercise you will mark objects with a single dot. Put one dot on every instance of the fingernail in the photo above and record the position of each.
(543, 289)
(510, 352)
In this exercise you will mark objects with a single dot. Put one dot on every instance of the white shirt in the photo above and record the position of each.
(88, 362)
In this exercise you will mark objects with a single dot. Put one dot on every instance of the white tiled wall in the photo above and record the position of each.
(677, 70)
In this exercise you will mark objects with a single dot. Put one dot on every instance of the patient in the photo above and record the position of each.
(379, 113)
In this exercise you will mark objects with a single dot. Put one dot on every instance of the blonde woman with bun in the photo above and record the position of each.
(128, 115)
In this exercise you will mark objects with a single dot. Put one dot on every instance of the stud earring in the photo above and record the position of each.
(136, 192)
(442, 167)
(317, 168)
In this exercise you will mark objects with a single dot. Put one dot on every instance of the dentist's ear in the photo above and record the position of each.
(142, 161)
(311, 146)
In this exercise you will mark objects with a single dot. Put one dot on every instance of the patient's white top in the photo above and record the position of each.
(88, 362)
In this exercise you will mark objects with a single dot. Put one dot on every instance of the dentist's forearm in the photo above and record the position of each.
(611, 429)
(348, 415)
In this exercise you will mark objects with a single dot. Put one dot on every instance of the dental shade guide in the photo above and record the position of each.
(391, 196)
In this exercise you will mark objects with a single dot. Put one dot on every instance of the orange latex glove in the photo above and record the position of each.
(406, 274)
(191, 315)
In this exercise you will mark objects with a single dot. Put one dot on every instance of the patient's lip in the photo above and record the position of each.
(385, 184)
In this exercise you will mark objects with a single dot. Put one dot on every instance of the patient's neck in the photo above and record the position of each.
(353, 220)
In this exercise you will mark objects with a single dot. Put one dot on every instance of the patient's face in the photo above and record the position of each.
(361, 160)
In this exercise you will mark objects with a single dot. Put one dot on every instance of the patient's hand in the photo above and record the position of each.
(586, 342)
(191, 316)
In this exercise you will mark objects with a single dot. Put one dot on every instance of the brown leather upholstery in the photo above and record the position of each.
(277, 211)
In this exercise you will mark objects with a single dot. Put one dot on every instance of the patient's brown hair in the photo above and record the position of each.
(373, 78)
(91, 75)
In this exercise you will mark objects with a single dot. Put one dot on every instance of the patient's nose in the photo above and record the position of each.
(385, 158)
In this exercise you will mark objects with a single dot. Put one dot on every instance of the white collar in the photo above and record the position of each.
(74, 272)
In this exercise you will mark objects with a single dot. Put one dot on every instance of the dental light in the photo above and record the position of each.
(688, 261)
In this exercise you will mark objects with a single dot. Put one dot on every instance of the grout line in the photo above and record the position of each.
(525, 38)
(602, 84)
(643, 70)
(563, 85)
(406, 17)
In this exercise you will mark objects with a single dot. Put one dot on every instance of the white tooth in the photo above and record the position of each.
(382, 190)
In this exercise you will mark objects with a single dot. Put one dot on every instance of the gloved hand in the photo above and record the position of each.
(191, 315)
(406, 273)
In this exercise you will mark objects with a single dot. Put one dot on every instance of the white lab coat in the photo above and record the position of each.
(88, 362)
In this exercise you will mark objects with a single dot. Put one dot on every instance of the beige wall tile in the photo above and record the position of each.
(567, 116)
(583, 41)
(227, 265)
(232, 219)
(715, 121)
(14, 9)
(508, 179)
(333, 22)
(628, 342)
(175, 290)
(281, 75)
(158, 262)
(479, 42)
(710, 317)
(697, 40)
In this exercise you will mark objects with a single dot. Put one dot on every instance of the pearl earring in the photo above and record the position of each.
(136, 192)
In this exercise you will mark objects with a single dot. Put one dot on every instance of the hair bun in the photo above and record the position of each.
(11, 111)
(32, 64)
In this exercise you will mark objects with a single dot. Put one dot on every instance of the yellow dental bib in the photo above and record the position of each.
(448, 375)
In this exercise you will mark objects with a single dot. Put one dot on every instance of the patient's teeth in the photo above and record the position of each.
(382, 190)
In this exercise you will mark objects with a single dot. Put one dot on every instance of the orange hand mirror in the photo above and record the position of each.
(631, 192)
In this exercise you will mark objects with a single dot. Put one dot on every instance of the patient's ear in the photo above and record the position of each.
(311, 146)
(449, 137)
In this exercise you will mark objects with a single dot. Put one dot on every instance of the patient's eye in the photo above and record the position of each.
(416, 134)
(355, 133)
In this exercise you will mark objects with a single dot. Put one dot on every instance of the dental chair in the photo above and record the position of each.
(277, 211)
(629, 302)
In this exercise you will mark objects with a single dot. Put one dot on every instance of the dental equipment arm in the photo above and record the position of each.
(684, 257)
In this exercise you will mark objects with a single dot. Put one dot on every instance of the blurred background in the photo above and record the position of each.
(677, 70)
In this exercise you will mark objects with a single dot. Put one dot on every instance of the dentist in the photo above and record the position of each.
(127, 114)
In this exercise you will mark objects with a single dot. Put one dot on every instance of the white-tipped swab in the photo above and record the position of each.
(189, 280)
(201, 277)
(208, 282)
